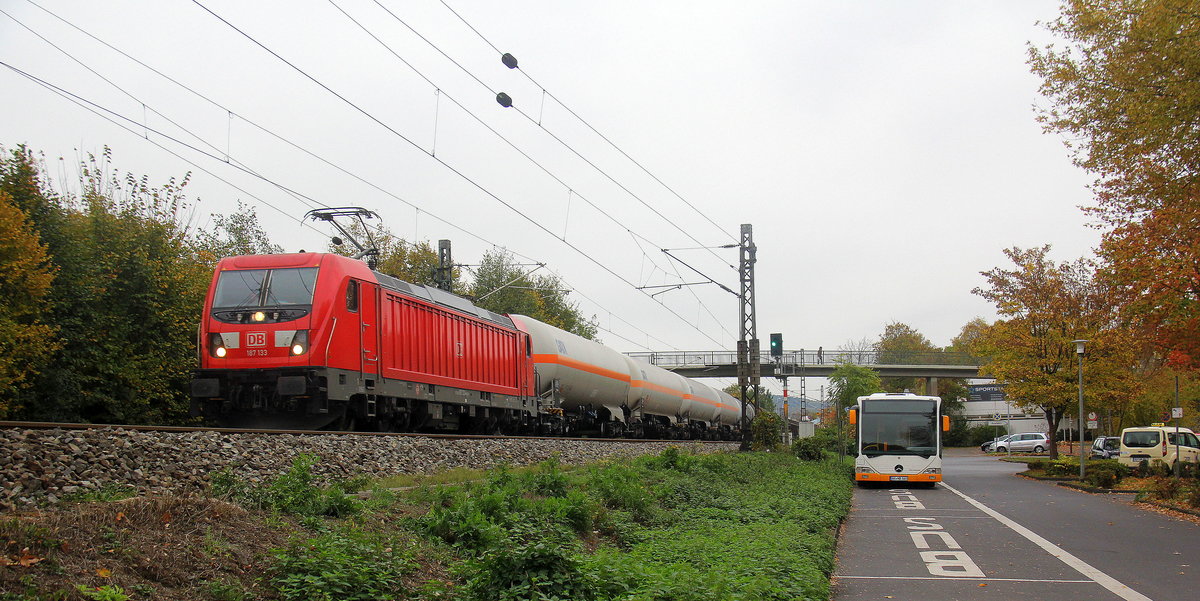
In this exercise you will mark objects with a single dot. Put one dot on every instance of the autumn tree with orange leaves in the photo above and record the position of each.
(1043, 307)
(1124, 90)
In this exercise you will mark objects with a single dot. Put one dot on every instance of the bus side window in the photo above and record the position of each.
(352, 296)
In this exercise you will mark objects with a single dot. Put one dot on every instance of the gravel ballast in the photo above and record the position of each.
(38, 466)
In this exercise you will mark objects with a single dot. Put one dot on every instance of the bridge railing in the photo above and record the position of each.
(807, 357)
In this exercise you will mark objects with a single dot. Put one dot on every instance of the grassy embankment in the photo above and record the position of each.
(680, 527)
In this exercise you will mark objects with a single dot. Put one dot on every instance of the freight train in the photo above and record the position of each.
(322, 341)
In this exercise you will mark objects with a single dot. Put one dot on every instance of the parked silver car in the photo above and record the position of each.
(1029, 441)
(990, 445)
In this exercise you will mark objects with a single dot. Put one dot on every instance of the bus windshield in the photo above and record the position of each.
(253, 288)
(898, 427)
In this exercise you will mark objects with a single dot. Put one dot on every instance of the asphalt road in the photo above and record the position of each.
(987, 534)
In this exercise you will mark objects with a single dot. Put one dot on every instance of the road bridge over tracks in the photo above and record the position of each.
(819, 363)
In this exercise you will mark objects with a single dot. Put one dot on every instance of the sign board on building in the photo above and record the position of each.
(1176, 412)
(1093, 424)
(986, 392)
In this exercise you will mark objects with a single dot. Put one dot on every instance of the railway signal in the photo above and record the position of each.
(777, 345)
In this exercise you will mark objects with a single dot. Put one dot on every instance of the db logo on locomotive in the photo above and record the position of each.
(256, 339)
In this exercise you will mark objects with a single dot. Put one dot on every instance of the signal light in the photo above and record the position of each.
(776, 345)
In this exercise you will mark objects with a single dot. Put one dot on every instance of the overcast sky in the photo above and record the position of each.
(885, 153)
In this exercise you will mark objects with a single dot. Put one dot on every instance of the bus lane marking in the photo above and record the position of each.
(1108, 582)
(905, 499)
(942, 565)
(951, 562)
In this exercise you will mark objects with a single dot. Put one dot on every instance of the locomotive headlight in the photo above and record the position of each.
(259, 316)
(216, 346)
(300, 342)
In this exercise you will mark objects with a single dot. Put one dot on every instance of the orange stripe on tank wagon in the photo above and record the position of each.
(581, 366)
(623, 377)
(657, 388)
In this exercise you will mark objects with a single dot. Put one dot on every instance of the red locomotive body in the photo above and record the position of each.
(314, 340)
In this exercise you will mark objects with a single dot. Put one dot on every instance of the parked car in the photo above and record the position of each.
(1029, 441)
(1156, 442)
(990, 445)
(1106, 447)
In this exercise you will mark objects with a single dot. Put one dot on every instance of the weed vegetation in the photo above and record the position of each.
(674, 526)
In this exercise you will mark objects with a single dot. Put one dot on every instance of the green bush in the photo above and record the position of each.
(828, 438)
(766, 432)
(547, 479)
(1159, 469)
(619, 487)
(293, 492)
(532, 562)
(1062, 468)
(343, 565)
(672, 458)
(808, 449)
(1105, 473)
(981, 434)
(1167, 488)
(1193, 496)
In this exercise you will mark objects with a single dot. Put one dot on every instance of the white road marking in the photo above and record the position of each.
(959, 579)
(902, 509)
(928, 517)
(1079, 565)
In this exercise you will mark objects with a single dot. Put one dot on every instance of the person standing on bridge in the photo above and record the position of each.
(821, 355)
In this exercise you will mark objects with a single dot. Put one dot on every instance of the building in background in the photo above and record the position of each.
(987, 406)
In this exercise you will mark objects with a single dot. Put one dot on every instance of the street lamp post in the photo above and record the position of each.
(1079, 352)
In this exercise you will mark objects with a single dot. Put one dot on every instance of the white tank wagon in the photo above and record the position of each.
(599, 390)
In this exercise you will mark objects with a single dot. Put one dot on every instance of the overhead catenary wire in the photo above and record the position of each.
(85, 104)
(534, 121)
(267, 131)
(100, 112)
(451, 168)
(120, 88)
(635, 235)
(116, 119)
(589, 125)
(483, 123)
(96, 109)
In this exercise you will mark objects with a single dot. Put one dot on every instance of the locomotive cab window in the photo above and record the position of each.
(264, 294)
(352, 296)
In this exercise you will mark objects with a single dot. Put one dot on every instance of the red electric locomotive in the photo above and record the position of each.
(313, 340)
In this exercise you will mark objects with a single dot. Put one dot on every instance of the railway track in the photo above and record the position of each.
(142, 428)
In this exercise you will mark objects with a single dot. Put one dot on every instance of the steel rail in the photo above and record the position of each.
(74, 426)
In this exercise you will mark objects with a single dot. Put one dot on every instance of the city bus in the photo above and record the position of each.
(899, 438)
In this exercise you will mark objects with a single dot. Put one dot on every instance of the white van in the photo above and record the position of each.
(1157, 443)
